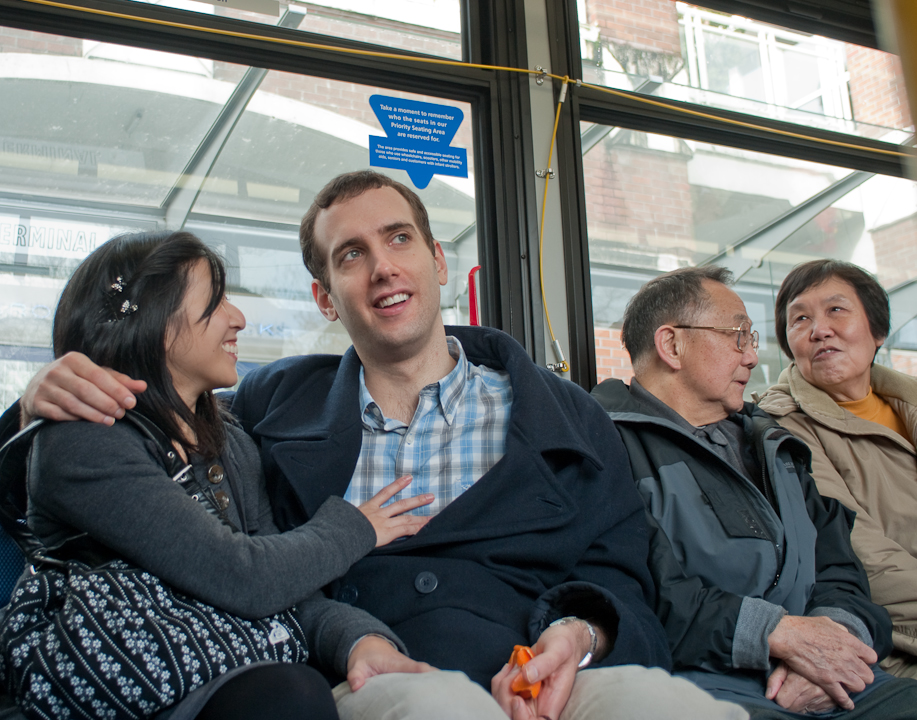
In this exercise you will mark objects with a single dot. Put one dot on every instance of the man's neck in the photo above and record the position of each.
(395, 384)
(666, 389)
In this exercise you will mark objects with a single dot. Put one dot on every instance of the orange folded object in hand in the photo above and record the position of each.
(521, 655)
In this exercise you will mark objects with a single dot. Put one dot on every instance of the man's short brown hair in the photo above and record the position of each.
(345, 187)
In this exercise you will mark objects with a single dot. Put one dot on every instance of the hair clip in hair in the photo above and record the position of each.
(118, 310)
(127, 308)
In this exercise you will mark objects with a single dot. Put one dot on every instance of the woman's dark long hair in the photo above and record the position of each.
(118, 308)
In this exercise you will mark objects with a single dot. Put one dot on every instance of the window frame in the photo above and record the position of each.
(492, 33)
(664, 117)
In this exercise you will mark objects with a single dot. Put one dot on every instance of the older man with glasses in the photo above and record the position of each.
(762, 598)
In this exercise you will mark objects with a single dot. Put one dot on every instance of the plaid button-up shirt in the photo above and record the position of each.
(457, 434)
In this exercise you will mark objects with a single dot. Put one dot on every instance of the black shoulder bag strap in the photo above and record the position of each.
(13, 496)
(14, 455)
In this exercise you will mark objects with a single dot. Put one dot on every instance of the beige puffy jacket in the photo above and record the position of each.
(873, 471)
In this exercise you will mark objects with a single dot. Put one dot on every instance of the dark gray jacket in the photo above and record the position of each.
(723, 558)
(108, 481)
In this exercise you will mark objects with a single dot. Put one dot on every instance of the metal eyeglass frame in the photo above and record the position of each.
(750, 335)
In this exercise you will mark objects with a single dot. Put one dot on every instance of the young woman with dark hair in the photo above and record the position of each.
(152, 305)
(150, 270)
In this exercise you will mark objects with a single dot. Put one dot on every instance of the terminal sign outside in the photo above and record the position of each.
(418, 139)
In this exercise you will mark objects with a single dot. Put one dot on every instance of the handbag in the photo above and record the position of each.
(88, 635)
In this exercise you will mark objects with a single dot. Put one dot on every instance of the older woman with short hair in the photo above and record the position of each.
(860, 421)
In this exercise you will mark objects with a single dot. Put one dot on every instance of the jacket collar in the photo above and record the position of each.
(296, 417)
(809, 396)
(541, 416)
(892, 384)
(792, 392)
(884, 381)
(541, 413)
(625, 407)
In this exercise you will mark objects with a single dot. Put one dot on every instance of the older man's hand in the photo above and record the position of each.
(825, 653)
(792, 691)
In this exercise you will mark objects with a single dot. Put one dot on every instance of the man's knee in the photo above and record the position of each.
(628, 692)
(417, 696)
(633, 692)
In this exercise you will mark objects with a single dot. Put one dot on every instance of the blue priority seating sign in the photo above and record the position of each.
(418, 139)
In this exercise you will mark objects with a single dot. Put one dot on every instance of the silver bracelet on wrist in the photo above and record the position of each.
(594, 639)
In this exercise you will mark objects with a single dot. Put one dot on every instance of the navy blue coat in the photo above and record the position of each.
(555, 528)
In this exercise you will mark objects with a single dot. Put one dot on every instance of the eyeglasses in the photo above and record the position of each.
(744, 334)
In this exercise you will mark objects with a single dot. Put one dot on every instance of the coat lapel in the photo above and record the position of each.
(516, 496)
(317, 450)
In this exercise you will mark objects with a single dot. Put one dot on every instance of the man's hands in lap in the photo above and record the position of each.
(822, 652)
(792, 691)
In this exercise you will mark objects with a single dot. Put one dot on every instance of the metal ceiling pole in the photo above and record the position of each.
(181, 198)
(897, 22)
(749, 252)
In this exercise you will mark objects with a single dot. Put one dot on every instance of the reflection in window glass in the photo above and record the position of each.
(685, 52)
(802, 81)
(656, 203)
(135, 140)
(77, 127)
(297, 133)
(432, 27)
(733, 65)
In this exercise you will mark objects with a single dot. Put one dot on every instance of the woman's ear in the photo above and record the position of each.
(669, 347)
